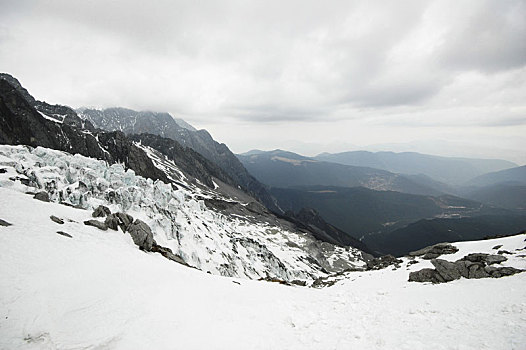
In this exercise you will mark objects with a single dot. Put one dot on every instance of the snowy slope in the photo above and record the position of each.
(98, 291)
(221, 244)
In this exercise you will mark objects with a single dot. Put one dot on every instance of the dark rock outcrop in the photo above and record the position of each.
(434, 251)
(476, 265)
(116, 220)
(5, 223)
(98, 224)
(167, 253)
(163, 124)
(42, 196)
(141, 234)
(383, 262)
(101, 211)
(22, 124)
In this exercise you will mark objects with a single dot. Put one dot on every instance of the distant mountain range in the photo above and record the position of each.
(286, 169)
(453, 171)
(513, 176)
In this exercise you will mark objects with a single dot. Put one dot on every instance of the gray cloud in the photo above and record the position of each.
(266, 62)
(491, 38)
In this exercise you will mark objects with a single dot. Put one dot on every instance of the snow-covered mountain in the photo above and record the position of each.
(96, 290)
(182, 215)
(163, 124)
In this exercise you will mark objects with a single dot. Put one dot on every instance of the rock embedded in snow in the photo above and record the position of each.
(434, 251)
(474, 265)
(65, 234)
(4, 223)
(101, 211)
(116, 220)
(57, 220)
(98, 224)
(167, 253)
(383, 262)
(141, 234)
(42, 196)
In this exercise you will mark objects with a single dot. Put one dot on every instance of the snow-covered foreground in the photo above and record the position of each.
(98, 291)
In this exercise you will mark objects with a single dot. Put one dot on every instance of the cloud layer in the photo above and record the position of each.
(264, 64)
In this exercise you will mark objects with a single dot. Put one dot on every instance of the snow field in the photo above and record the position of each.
(98, 291)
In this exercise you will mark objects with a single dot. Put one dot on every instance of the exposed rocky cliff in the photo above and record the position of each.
(163, 124)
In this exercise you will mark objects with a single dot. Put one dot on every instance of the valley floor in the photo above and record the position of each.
(98, 291)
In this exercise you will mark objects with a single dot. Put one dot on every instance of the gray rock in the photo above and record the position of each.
(65, 234)
(97, 224)
(426, 275)
(476, 270)
(476, 257)
(57, 220)
(167, 253)
(141, 234)
(383, 262)
(434, 251)
(101, 211)
(116, 220)
(471, 266)
(5, 223)
(447, 270)
(504, 271)
(42, 196)
(495, 259)
(112, 221)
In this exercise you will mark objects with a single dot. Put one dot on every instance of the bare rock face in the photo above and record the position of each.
(101, 211)
(141, 234)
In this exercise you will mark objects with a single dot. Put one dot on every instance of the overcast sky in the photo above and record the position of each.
(444, 77)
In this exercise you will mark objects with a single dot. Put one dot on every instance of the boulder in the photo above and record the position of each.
(426, 275)
(116, 220)
(97, 224)
(57, 220)
(42, 196)
(141, 234)
(495, 259)
(434, 251)
(447, 270)
(101, 211)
